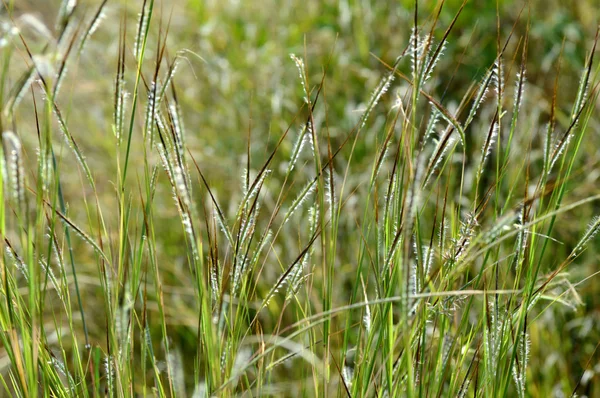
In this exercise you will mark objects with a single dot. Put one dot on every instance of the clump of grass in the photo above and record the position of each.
(434, 290)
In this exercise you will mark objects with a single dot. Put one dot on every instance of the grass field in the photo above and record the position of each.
(299, 198)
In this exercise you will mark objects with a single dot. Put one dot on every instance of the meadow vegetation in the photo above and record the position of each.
(299, 198)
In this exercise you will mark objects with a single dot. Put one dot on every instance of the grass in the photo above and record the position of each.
(423, 240)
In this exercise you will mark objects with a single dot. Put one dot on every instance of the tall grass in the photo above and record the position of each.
(424, 274)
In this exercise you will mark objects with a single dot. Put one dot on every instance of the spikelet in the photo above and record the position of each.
(582, 94)
(306, 192)
(215, 280)
(150, 111)
(72, 144)
(110, 375)
(108, 280)
(591, 231)
(559, 148)
(284, 279)
(452, 122)
(244, 181)
(443, 145)
(256, 188)
(14, 166)
(181, 186)
(491, 339)
(309, 137)
(415, 53)
(547, 147)
(163, 155)
(413, 288)
(222, 224)
(519, 90)
(498, 77)
(519, 369)
(79, 232)
(179, 132)
(443, 232)
(170, 75)
(263, 243)
(384, 232)
(367, 317)
(481, 95)
(389, 197)
(181, 192)
(381, 89)
(427, 262)
(486, 149)
(120, 115)
(227, 349)
(240, 270)
(93, 25)
(330, 192)
(188, 227)
(297, 274)
(302, 73)
(17, 261)
(120, 95)
(246, 231)
(296, 277)
(522, 236)
(461, 244)
(248, 225)
(143, 20)
(392, 249)
(44, 168)
(431, 125)
(491, 139)
(422, 61)
(518, 98)
(431, 62)
(119, 108)
(421, 64)
(57, 254)
(383, 154)
(303, 137)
